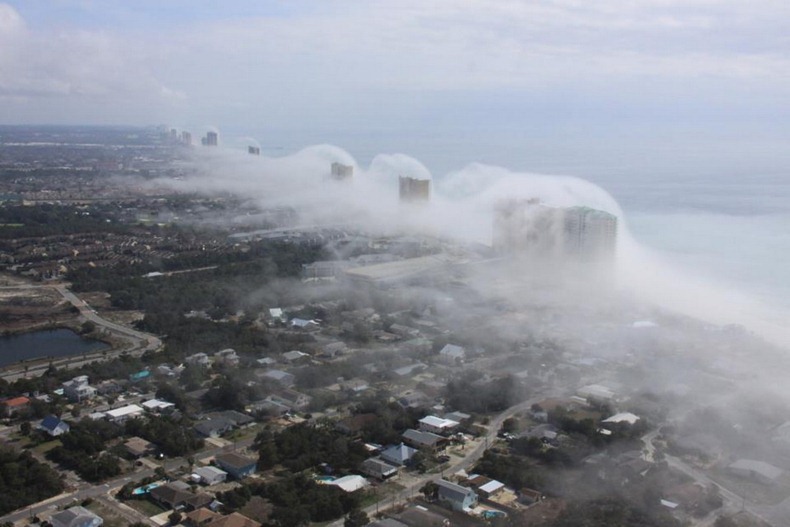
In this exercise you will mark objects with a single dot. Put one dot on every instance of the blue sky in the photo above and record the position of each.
(401, 65)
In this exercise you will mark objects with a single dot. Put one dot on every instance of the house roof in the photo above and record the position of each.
(51, 422)
(438, 422)
(16, 402)
(350, 483)
(451, 350)
(209, 472)
(420, 438)
(138, 445)
(233, 520)
(491, 487)
(452, 491)
(131, 409)
(234, 460)
(399, 454)
(212, 426)
(199, 516)
(622, 417)
(170, 493)
(74, 516)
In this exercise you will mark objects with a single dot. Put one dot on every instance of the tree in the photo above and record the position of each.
(25, 428)
(356, 518)
(510, 425)
(174, 518)
(87, 327)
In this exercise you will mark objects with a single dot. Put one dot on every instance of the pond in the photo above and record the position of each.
(44, 344)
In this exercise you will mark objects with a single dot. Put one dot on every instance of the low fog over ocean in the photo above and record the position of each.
(706, 214)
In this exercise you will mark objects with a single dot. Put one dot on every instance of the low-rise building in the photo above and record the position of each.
(377, 468)
(75, 517)
(400, 455)
(438, 425)
(455, 496)
(53, 425)
(236, 465)
(120, 415)
(139, 447)
(210, 475)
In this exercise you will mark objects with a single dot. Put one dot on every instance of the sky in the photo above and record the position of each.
(718, 67)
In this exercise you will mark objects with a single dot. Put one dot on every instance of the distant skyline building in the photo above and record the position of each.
(543, 233)
(414, 190)
(254, 150)
(341, 171)
(211, 139)
(186, 138)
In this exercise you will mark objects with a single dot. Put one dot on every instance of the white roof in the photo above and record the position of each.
(491, 486)
(438, 422)
(350, 483)
(644, 324)
(156, 403)
(622, 417)
(209, 471)
(669, 504)
(124, 411)
(275, 312)
(595, 390)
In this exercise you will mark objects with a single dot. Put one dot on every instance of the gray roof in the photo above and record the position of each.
(399, 454)
(451, 491)
(420, 438)
(75, 516)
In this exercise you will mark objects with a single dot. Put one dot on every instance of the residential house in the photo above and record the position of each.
(266, 361)
(399, 455)
(213, 427)
(350, 483)
(282, 377)
(236, 465)
(173, 495)
(333, 350)
(458, 417)
(424, 440)
(413, 399)
(355, 385)
(379, 469)
(53, 425)
(78, 389)
(75, 517)
(233, 519)
(209, 475)
(227, 357)
(438, 425)
(16, 405)
(291, 398)
(294, 356)
(419, 516)
(159, 407)
(200, 517)
(455, 496)
(452, 354)
(198, 359)
(120, 415)
(139, 447)
(304, 325)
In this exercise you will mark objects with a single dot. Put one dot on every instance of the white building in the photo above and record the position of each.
(437, 425)
(119, 415)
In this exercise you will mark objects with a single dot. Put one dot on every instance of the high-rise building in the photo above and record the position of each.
(211, 139)
(254, 150)
(341, 171)
(590, 234)
(186, 138)
(414, 190)
(543, 233)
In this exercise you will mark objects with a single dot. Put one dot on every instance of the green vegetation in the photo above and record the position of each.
(611, 512)
(82, 450)
(23, 480)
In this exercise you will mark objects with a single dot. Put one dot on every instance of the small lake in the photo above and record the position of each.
(45, 343)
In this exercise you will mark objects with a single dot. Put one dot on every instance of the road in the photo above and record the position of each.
(466, 463)
(87, 490)
(138, 342)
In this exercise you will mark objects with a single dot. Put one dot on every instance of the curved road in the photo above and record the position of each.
(137, 341)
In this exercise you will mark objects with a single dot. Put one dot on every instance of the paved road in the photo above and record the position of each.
(467, 462)
(138, 342)
(87, 490)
